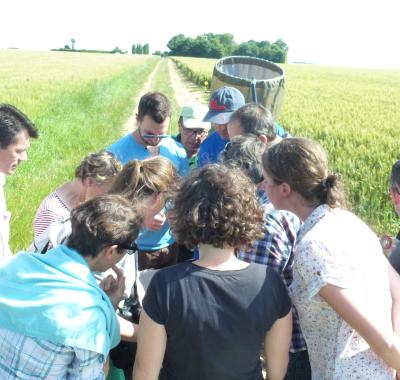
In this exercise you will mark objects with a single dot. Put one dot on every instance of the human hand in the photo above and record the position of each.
(114, 287)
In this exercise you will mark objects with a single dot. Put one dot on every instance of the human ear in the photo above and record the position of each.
(285, 189)
(263, 139)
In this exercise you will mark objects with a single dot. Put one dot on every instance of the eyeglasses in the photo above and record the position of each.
(131, 249)
(150, 135)
(194, 132)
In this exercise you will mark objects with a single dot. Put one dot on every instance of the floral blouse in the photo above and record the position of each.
(335, 247)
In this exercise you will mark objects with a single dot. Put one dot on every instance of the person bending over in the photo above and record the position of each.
(56, 322)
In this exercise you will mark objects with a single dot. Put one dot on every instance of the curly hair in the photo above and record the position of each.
(101, 166)
(217, 206)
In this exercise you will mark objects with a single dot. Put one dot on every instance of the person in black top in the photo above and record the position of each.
(208, 318)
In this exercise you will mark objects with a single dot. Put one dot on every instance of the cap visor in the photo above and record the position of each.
(218, 117)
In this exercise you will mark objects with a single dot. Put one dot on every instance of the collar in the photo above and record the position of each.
(319, 213)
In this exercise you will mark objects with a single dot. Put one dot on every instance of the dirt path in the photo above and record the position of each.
(130, 124)
(185, 91)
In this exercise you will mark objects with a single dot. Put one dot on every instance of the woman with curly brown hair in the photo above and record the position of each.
(207, 319)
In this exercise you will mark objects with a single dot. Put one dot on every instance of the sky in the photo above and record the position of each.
(352, 33)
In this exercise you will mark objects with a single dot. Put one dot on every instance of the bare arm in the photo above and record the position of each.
(128, 330)
(276, 347)
(382, 340)
(152, 340)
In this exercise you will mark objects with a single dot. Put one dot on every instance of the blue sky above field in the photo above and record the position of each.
(339, 33)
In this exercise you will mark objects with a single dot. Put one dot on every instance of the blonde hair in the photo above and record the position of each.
(139, 179)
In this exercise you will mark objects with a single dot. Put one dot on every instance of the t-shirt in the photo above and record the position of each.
(215, 321)
(126, 149)
(210, 149)
(335, 247)
(52, 209)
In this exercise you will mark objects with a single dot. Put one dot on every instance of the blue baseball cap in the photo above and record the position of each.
(223, 103)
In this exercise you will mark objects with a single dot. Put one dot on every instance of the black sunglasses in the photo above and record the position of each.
(130, 248)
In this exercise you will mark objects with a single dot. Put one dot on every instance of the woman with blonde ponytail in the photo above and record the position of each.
(343, 287)
(149, 182)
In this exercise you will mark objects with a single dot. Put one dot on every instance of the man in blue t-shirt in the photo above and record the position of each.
(148, 139)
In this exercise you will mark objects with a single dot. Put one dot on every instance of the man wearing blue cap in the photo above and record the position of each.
(223, 103)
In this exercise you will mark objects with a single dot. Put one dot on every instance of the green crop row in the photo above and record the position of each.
(355, 115)
(79, 103)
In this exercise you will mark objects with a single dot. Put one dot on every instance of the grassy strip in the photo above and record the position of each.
(75, 122)
(162, 83)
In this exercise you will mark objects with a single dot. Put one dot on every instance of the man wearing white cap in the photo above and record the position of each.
(192, 130)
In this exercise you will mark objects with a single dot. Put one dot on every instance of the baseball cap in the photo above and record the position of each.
(192, 116)
(223, 103)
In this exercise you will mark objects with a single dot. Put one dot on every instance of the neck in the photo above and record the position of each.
(219, 258)
(138, 138)
(72, 193)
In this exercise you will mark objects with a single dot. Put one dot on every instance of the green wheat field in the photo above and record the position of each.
(80, 102)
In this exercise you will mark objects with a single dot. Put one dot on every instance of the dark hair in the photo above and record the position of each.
(12, 122)
(103, 221)
(395, 176)
(217, 206)
(155, 105)
(255, 119)
(139, 179)
(101, 167)
(302, 163)
(245, 152)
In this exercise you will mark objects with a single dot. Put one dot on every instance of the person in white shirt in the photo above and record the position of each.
(16, 130)
(345, 291)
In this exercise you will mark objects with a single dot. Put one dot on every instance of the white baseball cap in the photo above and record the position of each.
(193, 115)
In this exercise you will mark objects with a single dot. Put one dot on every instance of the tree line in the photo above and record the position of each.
(211, 45)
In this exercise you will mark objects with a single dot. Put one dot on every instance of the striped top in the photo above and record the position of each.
(52, 209)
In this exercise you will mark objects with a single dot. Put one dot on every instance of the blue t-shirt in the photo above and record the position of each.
(126, 149)
(210, 149)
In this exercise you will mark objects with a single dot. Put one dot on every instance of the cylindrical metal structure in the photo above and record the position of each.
(249, 73)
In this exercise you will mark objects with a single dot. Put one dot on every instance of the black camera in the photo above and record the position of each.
(131, 309)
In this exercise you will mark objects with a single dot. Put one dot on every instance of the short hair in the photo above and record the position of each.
(217, 206)
(156, 105)
(140, 179)
(395, 176)
(302, 163)
(101, 166)
(255, 119)
(245, 152)
(12, 122)
(103, 221)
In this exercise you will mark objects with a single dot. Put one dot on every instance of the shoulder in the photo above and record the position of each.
(173, 145)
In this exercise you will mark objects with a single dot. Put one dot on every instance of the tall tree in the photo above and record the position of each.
(73, 43)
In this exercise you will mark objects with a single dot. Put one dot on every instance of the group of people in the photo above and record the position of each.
(248, 240)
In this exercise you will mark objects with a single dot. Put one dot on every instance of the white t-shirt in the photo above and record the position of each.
(5, 216)
(335, 247)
